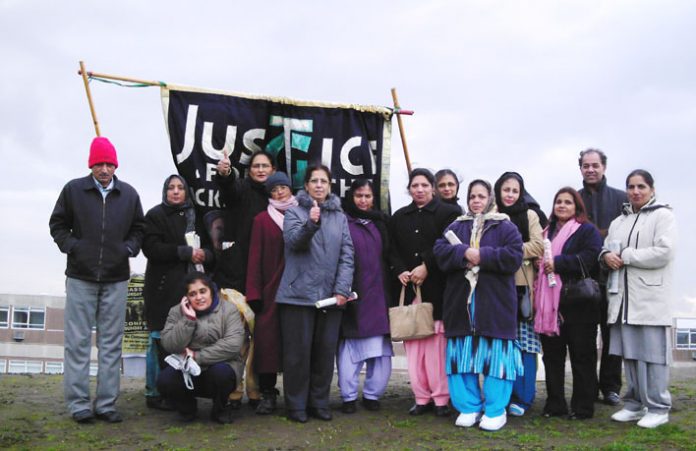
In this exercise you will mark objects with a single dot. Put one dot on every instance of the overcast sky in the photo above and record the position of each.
(496, 86)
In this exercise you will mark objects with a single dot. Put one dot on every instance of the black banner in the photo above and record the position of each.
(352, 140)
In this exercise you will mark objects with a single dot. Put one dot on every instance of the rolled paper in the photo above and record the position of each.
(328, 302)
(548, 257)
(452, 238)
(613, 282)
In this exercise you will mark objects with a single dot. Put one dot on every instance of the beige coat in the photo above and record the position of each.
(216, 337)
(648, 239)
(533, 249)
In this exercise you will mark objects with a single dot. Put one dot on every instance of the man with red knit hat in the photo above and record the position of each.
(98, 222)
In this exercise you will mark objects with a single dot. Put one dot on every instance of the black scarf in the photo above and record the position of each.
(517, 211)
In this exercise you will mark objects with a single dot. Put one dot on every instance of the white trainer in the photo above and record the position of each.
(516, 410)
(625, 415)
(653, 420)
(493, 424)
(466, 420)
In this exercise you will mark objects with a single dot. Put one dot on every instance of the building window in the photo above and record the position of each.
(4, 317)
(54, 368)
(28, 318)
(686, 338)
(25, 367)
(3, 366)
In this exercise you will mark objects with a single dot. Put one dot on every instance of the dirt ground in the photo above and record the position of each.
(32, 416)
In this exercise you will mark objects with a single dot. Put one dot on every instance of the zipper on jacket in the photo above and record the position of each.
(628, 243)
(101, 244)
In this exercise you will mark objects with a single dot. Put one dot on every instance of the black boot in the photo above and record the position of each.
(222, 415)
(268, 402)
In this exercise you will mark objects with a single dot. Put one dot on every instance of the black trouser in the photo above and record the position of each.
(267, 381)
(610, 365)
(310, 338)
(216, 382)
(580, 341)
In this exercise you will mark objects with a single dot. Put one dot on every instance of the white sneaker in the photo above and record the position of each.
(466, 420)
(493, 424)
(625, 415)
(516, 410)
(653, 420)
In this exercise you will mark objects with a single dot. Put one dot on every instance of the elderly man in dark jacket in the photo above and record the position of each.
(603, 204)
(98, 222)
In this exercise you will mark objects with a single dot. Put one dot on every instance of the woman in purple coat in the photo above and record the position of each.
(365, 324)
(480, 309)
(264, 270)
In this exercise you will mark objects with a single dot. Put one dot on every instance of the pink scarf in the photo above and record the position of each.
(546, 299)
(276, 209)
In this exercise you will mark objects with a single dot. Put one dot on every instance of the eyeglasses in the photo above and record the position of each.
(261, 166)
(319, 181)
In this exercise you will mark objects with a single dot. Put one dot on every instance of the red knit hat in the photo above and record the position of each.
(102, 151)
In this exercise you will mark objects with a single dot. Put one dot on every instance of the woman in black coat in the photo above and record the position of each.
(169, 258)
(414, 229)
(565, 326)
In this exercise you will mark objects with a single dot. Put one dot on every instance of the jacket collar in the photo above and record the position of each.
(650, 206)
(332, 202)
(430, 206)
(88, 183)
(600, 186)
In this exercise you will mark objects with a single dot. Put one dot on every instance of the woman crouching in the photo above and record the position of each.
(211, 333)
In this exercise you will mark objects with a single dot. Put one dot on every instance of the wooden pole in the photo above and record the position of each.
(402, 133)
(119, 78)
(89, 98)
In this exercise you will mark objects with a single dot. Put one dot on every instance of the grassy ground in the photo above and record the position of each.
(32, 416)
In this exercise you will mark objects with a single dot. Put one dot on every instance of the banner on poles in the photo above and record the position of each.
(352, 140)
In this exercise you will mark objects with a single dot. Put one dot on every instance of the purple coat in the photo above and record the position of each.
(495, 312)
(368, 316)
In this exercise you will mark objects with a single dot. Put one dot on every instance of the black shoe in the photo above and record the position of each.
(349, 406)
(371, 404)
(442, 411)
(222, 415)
(420, 409)
(187, 417)
(298, 416)
(158, 403)
(83, 416)
(267, 405)
(548, 414)
(235, 404)
(612, 398)
(578, 416)
(110, 417)
(320, 413)
(254, 403)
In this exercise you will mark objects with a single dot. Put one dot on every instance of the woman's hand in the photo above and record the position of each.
(419, 274)
(197, 256)
(315, 212)
(224, 166)
(186, 309)
(340, 299)
(405, 277)
(473, 256)
(189, 353)
(613, 261)
(549, 267)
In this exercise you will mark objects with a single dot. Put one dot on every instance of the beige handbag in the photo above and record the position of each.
(411, 322)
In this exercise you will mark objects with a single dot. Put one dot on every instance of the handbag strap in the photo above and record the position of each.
(582, 267)
(402, 296)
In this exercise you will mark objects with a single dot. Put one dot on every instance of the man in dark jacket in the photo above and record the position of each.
(603, 204)
(98, 222)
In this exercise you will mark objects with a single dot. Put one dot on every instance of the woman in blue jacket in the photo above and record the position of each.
(318, 265)
(480, 309)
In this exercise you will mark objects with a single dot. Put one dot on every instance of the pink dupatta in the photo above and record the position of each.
(546, 298)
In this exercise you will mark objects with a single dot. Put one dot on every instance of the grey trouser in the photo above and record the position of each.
(88, 304)
(647, 386)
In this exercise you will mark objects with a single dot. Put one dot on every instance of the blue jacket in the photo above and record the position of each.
(318, 257)
(495, 312)
(99, 235)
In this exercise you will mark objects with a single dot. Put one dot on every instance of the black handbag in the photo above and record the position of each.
(580, 291)
(525, 308)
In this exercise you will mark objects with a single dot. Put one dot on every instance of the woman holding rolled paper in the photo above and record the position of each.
(640, 302)
(169, 259)
(413, 230)
(318, 265)
(480, 254)
(510, 200)
(365, 327)
(566, 326)
(210, 332)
